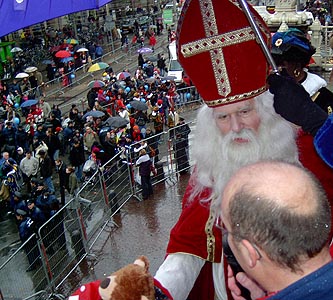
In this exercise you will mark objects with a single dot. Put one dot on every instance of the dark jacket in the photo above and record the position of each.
(91, 96)
(37, 216)
(144, 164)
(40, 134)
(53, 144)
(45, 166)
(76, 156)
(68, 133)
(9, 135)
(26, 228)
(161, 63)
(63, 177)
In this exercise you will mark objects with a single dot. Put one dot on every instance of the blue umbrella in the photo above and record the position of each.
(48, 62)
(66, 59)
(94, 113)
(19, 14)
(29, 103)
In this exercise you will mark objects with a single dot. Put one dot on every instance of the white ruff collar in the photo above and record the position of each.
(313, 83)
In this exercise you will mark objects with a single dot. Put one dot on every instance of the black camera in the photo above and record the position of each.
(235, 266)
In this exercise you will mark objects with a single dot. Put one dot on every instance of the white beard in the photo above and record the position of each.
(218, 157)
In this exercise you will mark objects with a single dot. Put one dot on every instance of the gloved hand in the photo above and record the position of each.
(294, 103)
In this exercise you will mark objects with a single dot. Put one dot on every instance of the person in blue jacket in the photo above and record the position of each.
(26, 229)
(277, 220)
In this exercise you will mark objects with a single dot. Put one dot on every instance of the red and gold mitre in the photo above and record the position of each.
(219, 51)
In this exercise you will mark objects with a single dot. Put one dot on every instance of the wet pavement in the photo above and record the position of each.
(142, 228)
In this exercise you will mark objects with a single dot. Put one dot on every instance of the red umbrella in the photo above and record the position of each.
(62, 54)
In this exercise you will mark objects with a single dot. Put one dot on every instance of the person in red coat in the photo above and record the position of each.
(152, 41)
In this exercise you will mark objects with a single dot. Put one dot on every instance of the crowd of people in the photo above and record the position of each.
(43, 148)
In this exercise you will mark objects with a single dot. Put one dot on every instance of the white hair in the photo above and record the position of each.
(216, 159)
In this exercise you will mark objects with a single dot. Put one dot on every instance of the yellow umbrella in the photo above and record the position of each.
(98, 66)
(72, 41)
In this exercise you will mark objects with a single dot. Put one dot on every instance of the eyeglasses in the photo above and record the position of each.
(226, 232)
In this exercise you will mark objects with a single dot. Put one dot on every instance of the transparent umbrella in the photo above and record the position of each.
(16, 49)
(31, 69)
(21, 75)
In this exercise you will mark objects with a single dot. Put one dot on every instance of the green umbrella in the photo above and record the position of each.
(98, 66)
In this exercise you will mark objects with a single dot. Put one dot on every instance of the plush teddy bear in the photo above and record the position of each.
(132, 282)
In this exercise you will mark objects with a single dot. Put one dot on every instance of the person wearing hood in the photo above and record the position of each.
(144, 163)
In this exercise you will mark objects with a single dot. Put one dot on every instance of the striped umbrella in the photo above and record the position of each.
(98, 66)
(96, 84)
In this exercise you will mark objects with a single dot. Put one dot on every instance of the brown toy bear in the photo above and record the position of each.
(132, 282)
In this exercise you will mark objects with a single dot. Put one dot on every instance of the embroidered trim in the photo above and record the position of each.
(314, 97)
(210, 237)
(235, 98)
(220, 41)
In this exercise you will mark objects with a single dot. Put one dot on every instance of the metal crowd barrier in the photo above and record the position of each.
(325, 49)
(56, 86)
(62, 243)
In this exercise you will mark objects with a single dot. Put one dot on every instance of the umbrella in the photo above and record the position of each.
(145, 50)
(62, 54)
(96, 84)
(82, 50)
(66, 59)
(30, 69)
(98, 66)
(104, 130)
(71, 41)
(123, 75)
(29, 103)
(169, 77)
(139, 105)
(150, 79)
(16, 49)
(21, 75)
(152, 58)
(94, 113)
(48, 62)
(119, 84)
(116, 122)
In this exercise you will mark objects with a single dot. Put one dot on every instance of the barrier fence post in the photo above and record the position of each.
(103, 187)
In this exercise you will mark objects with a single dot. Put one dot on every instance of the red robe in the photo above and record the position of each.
(195, 233)
(312, 161)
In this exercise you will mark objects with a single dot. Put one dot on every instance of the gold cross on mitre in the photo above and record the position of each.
(214, 43)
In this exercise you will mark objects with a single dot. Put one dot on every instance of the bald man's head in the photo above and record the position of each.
(279, 207)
